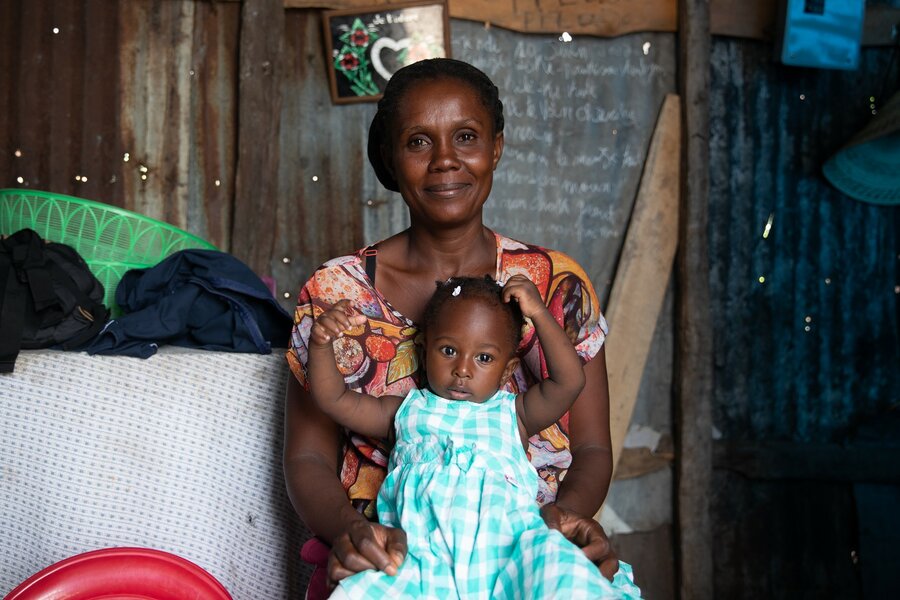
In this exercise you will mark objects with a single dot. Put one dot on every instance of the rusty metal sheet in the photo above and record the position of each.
(177, 71)
(323, 177)
(89, 83)
(259, 125)
(58, 122)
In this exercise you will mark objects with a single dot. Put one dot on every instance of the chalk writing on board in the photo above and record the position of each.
(579, 118)
(558, 110)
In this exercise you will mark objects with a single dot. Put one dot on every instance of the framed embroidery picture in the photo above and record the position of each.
(366, 46)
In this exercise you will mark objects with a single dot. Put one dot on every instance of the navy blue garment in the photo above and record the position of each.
(198, 299)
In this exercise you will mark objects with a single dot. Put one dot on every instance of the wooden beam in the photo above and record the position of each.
(819, 462)
(693, 334)
(609, 18)
(879, 24)
(739, 18)
(259, 118)
(637, 462)
(645, 266)
(579, 17)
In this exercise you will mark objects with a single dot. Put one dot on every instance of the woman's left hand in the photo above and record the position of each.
(586, 533)
(366, 546)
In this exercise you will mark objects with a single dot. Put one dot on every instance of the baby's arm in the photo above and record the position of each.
(362, 413)
(543, 404)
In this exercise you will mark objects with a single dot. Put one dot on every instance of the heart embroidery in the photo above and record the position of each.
(390, 44)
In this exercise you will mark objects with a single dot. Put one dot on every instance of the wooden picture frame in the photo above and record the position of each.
(365, 46)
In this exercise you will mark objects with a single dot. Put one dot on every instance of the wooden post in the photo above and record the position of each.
(254, 223)
(694, 338)
(642, 275)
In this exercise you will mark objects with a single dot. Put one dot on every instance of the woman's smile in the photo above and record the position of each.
(446, 189)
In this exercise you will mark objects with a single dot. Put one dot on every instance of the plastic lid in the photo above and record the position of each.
(133, 573)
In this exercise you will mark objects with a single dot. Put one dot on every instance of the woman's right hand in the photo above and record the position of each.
(364, 546)
(586, 533)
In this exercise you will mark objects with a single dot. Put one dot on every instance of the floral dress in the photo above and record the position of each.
(381, 356)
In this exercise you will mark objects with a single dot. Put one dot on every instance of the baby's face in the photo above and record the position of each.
(469, 353)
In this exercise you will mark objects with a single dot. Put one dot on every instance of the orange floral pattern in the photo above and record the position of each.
(381, 356)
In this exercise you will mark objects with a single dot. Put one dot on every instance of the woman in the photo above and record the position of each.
(436, 139)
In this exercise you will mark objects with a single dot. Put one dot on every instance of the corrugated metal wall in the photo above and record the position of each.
(816, 346)
(56, 112)
(128, 103)
(323, 175)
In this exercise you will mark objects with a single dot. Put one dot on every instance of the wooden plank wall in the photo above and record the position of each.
(694, 332)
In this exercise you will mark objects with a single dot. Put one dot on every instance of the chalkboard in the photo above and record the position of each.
(579, 118)
(366, 46)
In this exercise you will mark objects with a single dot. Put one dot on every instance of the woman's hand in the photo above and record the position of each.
(332, 323)
(364, 546)
(525, 293)
(585, 533)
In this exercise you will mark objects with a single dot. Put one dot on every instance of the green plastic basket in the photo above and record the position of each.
(111, 240)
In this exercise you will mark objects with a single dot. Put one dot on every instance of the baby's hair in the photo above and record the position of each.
(431, 69)
(485, 289)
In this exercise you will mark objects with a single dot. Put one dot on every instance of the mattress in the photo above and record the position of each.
(180, 452)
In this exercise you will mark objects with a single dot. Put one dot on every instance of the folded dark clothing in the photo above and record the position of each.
(198, 299)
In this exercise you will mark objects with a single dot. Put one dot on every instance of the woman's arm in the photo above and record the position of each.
(584, 488)
(586, 483)
(311, 455)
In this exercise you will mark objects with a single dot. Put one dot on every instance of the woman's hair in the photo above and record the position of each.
(425, 70)
(484, 289)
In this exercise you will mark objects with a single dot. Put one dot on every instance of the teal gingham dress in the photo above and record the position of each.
(461, 486)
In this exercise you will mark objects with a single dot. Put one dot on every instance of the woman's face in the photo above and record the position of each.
(444, 152)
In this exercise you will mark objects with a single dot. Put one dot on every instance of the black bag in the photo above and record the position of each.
(48, 297)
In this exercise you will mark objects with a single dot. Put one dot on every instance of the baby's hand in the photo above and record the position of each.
(332, 323)
(523, 291)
